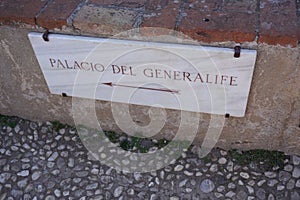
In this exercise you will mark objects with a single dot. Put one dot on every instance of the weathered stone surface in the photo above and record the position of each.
(271, 121)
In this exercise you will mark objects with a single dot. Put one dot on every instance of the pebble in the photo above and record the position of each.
(213, 168)
(272, 182)
(250, 189)
(23, 173)
(260, 183)
(296, 160)
(178, 168)
(296, 172)
(53, 157)
(50, 197)
(295, 195)
(270, 174)
(118, 191)
(221, 188)
(91, 186)
(218, 195)
(261, 194)
(244, 175)
(280, 187)
(284, 176)
(207, 186)
(188, 173)
(288, 168)
(36, 175)
(4, 177)
(222, 161)
(298, 183)
(242, 195)
(271, 197)
(291, 184)
(230, 194)
(57, 193)
(21, 184)
(82, 174)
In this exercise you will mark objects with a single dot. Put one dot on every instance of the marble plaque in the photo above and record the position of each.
(174, 76)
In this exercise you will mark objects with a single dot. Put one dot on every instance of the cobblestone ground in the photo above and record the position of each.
(38, 162)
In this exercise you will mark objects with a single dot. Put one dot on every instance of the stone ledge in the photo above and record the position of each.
(274, 23)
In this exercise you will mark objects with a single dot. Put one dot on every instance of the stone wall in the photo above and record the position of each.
(272, 119)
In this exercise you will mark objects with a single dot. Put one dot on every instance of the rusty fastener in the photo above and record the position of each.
(64, 94)
(237, 51)
(45, 35)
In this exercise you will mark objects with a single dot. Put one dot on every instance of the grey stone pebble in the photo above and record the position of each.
(244, 175)
(53, 157)
(4, 177)
(295, 195)
(50, 197)
(23, 173)
(296, 172)
(230, 194)
(288, 168)
(270, 174)
(260, 183)
(57, 193)
(250, 189)
(222, 161)
(296, 160)
(280, 187)
(71, 162)
(207, 186)
(36, 175)
(291, 184)
(92, 186)
(178, 168)
(272, 182)
(284, 176)
(271, 197)
(118, 191)
(22, 183)
(261, 194)
(242, 195)
(82, 174)
(298, 183)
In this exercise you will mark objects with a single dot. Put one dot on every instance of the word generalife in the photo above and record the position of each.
(157, 72)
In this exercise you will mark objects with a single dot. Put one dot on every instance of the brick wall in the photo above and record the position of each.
(262, 21)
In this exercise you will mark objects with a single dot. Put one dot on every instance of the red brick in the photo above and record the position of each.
(219, 26)
(161, 13)
(120, 3)
(57, 13)
(278, 22)
(19, 11)
(217, 21)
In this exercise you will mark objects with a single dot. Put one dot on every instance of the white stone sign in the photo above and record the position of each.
(174, 76)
